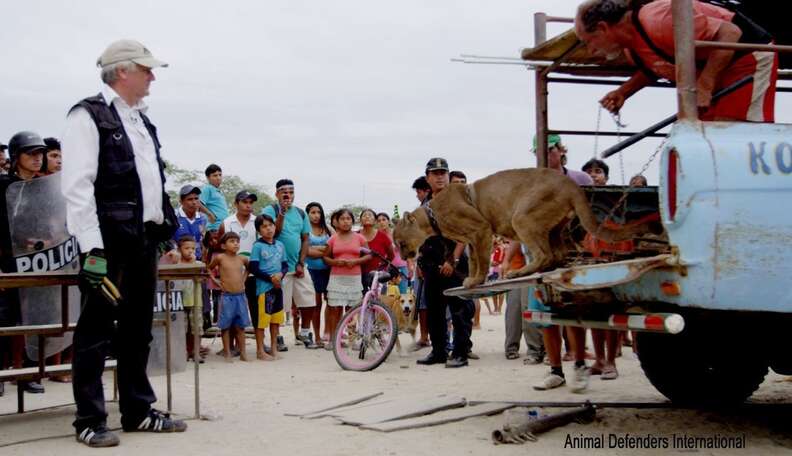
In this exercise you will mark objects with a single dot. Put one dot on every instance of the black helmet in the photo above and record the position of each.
(24, 141)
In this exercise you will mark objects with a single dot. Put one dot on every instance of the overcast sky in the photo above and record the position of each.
(347, 98)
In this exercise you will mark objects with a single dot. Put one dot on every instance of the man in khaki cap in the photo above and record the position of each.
(116, 207)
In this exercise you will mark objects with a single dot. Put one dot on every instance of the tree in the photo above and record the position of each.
(179, 177)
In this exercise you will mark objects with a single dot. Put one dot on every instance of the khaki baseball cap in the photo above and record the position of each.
(128, 51)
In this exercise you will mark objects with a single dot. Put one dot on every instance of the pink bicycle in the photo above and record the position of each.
(367, 332)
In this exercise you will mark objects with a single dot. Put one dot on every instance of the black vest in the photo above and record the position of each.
(119, 200)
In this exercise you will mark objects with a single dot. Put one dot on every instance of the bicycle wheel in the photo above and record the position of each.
(366, 349)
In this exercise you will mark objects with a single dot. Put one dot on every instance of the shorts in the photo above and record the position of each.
(537, 306)
(270, 309)
(193, 322)
(233, 311)
(300, 290)
(344, 291)
(320, 277)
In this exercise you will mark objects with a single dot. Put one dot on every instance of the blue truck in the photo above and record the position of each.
(711, 297)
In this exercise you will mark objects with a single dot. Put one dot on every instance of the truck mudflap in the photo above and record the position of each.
(574, 278)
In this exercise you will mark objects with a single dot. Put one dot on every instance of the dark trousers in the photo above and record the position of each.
(134, 271)
(461, 310)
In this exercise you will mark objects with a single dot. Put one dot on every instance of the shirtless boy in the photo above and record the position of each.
(234, 311)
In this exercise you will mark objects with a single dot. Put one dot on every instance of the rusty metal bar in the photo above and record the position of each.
(685, 58)
(541, 120)
(743, 46)
(196, 313)
(168, 374)
(540, 28)
(540, 36)
(603, 133)
(596, 81)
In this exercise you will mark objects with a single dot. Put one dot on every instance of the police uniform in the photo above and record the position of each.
(435, 251)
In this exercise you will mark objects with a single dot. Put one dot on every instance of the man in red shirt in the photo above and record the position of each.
(645, 33)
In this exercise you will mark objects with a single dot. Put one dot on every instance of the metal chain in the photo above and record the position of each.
(596, 133)
(625, 193)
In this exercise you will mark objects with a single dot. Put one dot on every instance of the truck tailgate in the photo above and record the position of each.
(574, 278)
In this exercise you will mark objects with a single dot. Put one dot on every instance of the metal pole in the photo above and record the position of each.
(540, 36)
(540, 28)
(168, 343)
(685, 57)
(668, 323)
(541, 120)
(196, 312)
(743, 46)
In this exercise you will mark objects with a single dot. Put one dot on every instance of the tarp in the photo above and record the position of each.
(41, 243)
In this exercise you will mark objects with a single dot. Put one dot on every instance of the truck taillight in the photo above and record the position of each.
(671, 183)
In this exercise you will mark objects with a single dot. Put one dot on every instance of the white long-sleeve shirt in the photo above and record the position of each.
(80, 147)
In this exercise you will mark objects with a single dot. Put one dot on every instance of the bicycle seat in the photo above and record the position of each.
(383, 277)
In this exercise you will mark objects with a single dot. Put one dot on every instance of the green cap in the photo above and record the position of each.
(552, 141)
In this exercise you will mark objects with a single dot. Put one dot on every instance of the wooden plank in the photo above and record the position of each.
(435, 419)
(338, 403)
(406, 408)
(33, 372)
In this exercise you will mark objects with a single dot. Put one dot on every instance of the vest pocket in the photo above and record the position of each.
(118, 222)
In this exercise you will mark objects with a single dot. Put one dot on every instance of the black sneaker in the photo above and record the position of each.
(282, 345)
(34, 387)
(97, 437)
(157, 421)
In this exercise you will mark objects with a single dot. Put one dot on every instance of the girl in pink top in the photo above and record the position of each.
(344, 258)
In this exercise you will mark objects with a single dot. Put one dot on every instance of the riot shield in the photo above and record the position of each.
(41, 243)
(157, 355)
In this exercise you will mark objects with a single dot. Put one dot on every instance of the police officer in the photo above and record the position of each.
(113, 180)
(26, 154)
(444, 265)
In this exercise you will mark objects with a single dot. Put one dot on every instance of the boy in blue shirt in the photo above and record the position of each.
(268, 264)
(212, 198)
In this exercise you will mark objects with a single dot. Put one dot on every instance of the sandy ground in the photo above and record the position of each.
(248, 400)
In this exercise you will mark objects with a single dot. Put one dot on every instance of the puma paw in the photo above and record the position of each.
(471, 282)
(514, 274)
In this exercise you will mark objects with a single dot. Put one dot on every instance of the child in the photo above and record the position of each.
(234, 311)
(211, 247)
(268, 264)
(187, 246)
(320, 272)
(343, 255)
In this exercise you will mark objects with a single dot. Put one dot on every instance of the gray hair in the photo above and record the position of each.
(592, 12)
(110, 72)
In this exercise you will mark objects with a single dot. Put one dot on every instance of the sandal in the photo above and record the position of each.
(610, 373)
(597, 369)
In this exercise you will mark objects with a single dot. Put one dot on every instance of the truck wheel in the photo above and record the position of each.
(702, 367)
